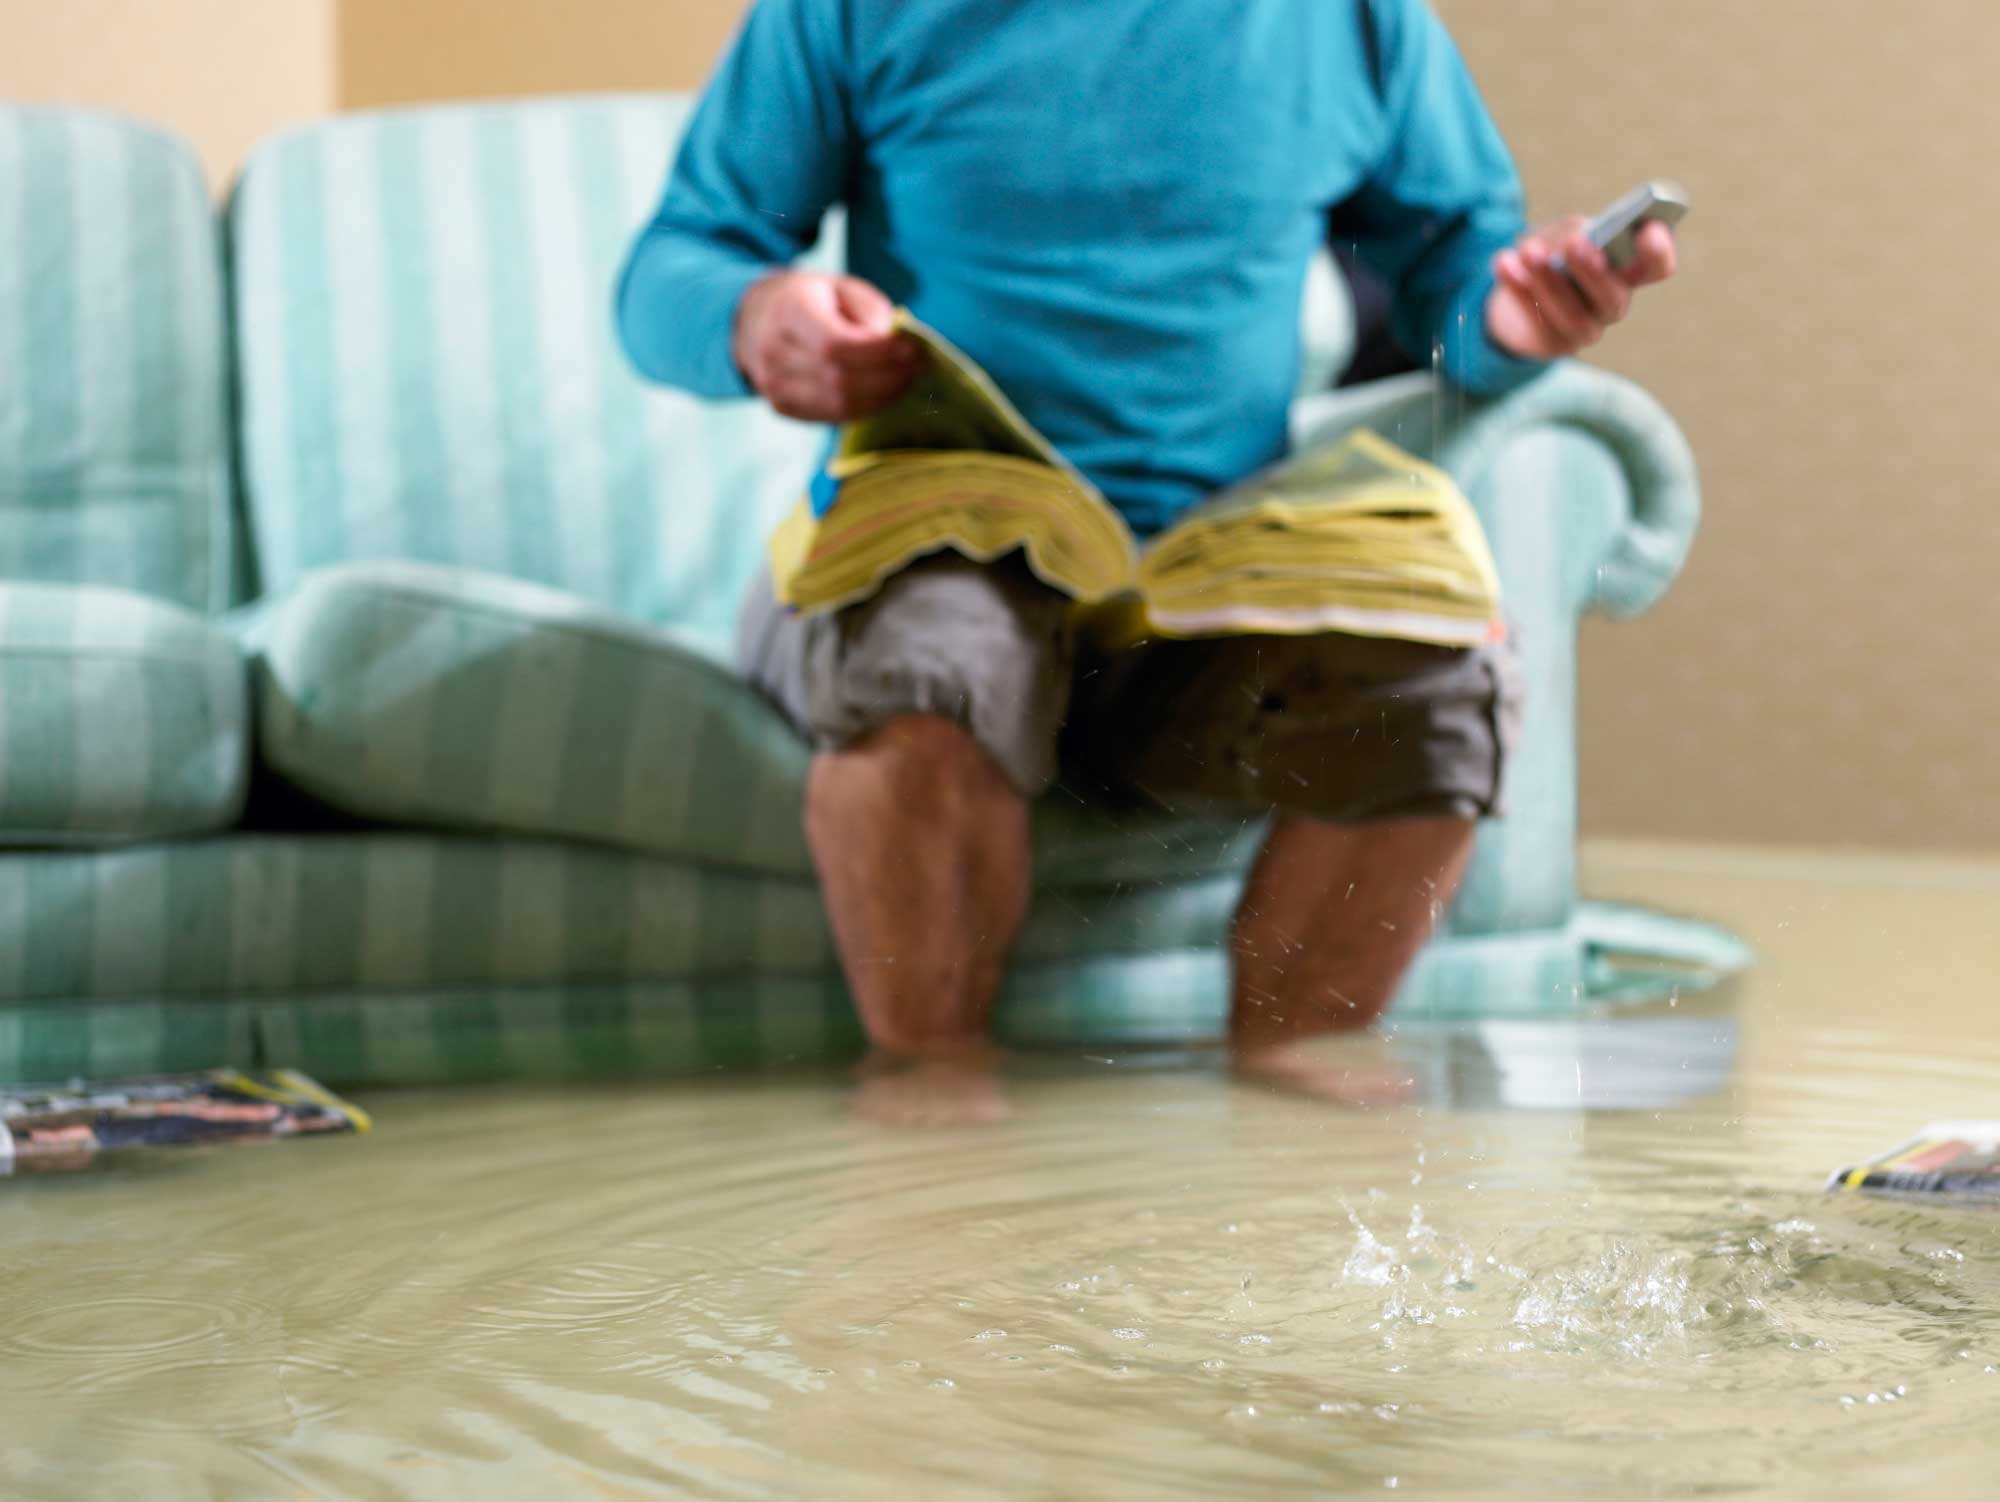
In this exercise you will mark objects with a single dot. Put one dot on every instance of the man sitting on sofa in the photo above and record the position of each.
(1110, 206)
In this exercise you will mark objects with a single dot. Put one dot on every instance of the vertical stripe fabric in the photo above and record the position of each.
(430, 371)
(114, 450)
(395, 957)
(121, 718)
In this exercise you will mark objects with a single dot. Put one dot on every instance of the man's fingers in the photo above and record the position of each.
(896, 353)
(864, 307)
(813, 340)
(816, 330)
(1608, 298)
(801, 386)
(1556, 298)
(1656, 256)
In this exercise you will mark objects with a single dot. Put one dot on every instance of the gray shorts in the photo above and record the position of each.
(1338, 727)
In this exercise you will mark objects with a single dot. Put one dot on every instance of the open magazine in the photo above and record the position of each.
(1358, 536)
(54, 1127)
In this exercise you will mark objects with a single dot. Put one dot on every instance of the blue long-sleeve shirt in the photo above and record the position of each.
(1109, 204)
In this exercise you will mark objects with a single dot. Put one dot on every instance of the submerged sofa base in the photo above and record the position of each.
(375, 959)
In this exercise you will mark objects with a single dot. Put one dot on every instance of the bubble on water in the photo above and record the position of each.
(991, 1335)
(944, 1383)
(1128, 1332)
(1253, 1340)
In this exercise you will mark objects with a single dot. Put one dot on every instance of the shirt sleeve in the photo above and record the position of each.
(1442, 200)
(766, 153)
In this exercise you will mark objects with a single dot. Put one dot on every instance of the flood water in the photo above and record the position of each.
(1588, 1258)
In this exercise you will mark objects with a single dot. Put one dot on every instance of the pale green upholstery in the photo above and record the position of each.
(516, 816)
(121, 718)
(429, 370)
(413, 958)
(114, 439)
(122, 707)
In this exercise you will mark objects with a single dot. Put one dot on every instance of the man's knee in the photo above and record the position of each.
(922, 765)
(948, 655)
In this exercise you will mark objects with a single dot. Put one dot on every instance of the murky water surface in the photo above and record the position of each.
(1583, 1259)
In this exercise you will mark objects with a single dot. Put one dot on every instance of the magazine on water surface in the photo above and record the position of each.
(1960, 1159)
(73, 1125)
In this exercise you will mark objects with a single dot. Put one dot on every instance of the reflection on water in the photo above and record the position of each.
(1592, 1250)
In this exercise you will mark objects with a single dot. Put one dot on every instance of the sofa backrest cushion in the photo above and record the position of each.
(429, 367)
(114, 437)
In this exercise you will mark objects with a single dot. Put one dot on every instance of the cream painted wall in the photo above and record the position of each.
(396, 51)
(224, 73)
(1825, 673)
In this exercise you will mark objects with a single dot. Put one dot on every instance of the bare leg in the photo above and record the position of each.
(1331, 917)
(921, 844)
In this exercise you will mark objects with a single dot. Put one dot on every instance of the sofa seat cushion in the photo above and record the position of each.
(416, 694)
(121, 718)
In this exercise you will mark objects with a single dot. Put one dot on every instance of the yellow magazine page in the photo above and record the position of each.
(952, 405)
(950, 464)
(1359, 537)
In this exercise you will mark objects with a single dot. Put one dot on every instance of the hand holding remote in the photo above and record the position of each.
(1563, 285)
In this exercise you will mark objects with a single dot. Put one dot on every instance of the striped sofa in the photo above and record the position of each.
(364, 630)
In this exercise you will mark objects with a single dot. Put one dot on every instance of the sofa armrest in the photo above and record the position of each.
(1465, 435)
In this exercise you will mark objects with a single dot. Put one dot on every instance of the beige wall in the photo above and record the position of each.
(394, 51)
(224, 73)
(1826, 670)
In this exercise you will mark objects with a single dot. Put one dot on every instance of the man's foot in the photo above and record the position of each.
(955, 1087)
(1358, 1072)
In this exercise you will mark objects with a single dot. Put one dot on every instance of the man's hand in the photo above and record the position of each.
(1538, 313)
(822, 348)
